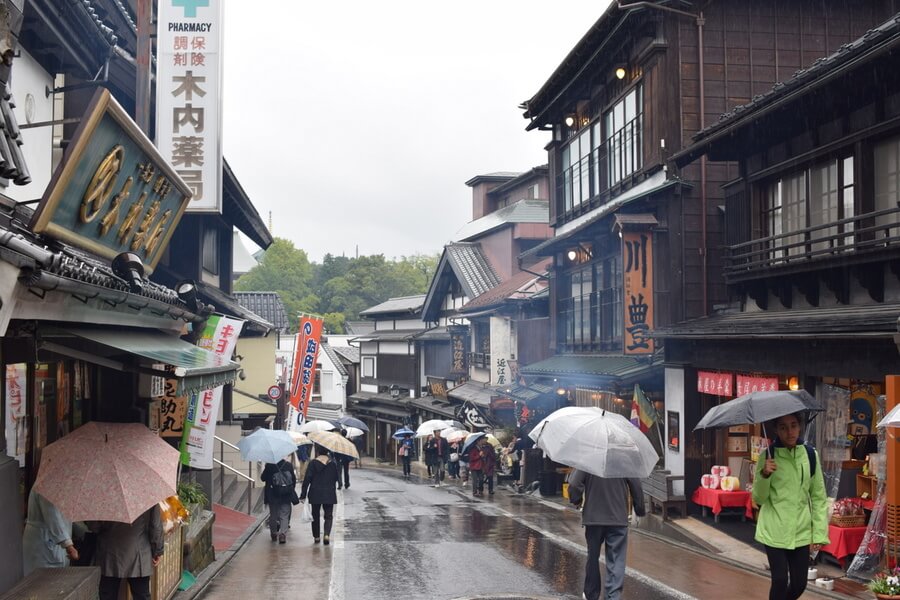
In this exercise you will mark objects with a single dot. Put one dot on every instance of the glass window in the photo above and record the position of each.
(211, 251)
(624, 136)
(368, 366)
(887, 181)
(589, 310)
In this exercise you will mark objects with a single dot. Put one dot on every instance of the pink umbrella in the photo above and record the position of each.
(107, 472)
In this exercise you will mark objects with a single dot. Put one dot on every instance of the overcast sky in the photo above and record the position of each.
(357, 123)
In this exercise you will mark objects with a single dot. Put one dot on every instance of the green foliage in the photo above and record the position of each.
(340, 287)
(191, 493)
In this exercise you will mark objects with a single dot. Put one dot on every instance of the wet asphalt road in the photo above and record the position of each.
(397, 539)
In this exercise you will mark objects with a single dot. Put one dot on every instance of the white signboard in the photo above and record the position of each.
(16, 423)
(189, 98)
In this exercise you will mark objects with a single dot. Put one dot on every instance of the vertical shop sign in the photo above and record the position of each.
(220, 336)
(303, 373)
(748, 385)
(637, 255)
(189, 98)
(16, 423)
(458, 364)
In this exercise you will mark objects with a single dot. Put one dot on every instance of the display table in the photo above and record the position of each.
(716, 500)
(845, 541)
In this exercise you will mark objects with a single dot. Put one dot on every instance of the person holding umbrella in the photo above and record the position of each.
(322, 477)
(279, 494)
(476, 466)
(793, 515)
(440, 452)
(128, 551)
(407, 453)
(488, 465)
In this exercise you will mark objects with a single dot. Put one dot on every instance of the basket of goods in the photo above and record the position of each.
(848, 512)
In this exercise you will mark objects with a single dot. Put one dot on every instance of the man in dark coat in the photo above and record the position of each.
(604, 515)
(128, 551)
(441, 452)
(319, 484)
(279, 498)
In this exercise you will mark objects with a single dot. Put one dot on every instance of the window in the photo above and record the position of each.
(887, 180)
(590, 304)
(624, 136)
(211, 251)
(317, 382)
(368, 366)
(576, 165)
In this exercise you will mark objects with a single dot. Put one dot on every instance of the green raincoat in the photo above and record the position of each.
(792, 505)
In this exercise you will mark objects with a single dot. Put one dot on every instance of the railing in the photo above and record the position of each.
(223, 467)
(861, 234)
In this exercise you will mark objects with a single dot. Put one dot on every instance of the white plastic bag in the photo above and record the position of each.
(305, 512)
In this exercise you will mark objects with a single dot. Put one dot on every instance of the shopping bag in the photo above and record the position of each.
(305, 512)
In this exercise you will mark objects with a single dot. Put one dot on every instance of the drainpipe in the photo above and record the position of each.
(700, 21)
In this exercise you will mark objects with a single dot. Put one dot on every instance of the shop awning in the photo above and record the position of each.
(195, 368)
(619, 369)
(475, 393)
(435, 406)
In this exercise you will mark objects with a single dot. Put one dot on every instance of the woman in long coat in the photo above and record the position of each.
(319, 484)
(47, 540)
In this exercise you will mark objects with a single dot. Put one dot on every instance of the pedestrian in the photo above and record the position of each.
(47, 539)
(319, 485)
(793, 516)
(407, 452)
(279, 494)
(453, 461)
(342, 461)
(488, 465)
(360, 448)
(302, 460)
(476, 463)
(604, 516)
(128, 551)
(440, 454)
(429, 455)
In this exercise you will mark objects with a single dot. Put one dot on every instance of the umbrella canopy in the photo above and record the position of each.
(429, 427)
(599, 442)
(892, 419)
(759, 407)
(107, 472)
(348, 421)
(402, 433)
(299, 438)
(470, 440)
(334, 442)
(493, 441)
(316, 425)
(353, 432)
(454, 435)
(267, 445)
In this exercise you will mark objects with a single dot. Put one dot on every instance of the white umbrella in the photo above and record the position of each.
(429, 427)
(892, 419)
(453, 434)
(267, 445)
(353, 432)
(299, 438)
(599, 442)
(316, 425)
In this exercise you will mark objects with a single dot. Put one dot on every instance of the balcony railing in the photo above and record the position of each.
(802, 249)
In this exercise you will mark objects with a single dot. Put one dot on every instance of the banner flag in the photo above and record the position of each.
(646, 412)
(303, 371)
(220, 336)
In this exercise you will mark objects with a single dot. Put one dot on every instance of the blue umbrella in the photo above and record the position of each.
(473, 437)
(402, 433)
(267, 445)
(348, 421)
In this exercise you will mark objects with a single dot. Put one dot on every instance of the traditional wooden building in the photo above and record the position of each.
(638, 245)
(812, 261)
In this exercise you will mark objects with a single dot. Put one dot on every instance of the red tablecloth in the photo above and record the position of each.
(844, 540)
(719, 499)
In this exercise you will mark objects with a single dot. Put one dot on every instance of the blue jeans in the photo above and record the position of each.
(616, 540)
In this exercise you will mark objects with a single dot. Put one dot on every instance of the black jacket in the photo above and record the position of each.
(267, 475)
(439, 451)
(320, 482)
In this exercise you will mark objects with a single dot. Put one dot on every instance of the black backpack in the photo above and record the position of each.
(282, 483)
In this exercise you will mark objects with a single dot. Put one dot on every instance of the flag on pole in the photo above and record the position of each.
(645, 412)
(635, 414)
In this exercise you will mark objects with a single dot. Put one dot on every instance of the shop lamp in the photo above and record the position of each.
(572, 254)
(793, 383)
(620, 72)
(570, 120)
(187, 292)
(561, 391)
(128, 266)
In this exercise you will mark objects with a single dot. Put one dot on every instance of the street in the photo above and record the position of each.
(394, 538)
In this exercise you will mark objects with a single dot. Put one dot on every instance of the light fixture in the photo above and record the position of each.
(572, 254)
(187, 292)
(585, 121)
(621, 72)
(570, 120)
(793, 383)
(561, 391)
(128, 266)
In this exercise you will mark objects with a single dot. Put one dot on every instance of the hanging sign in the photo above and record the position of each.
(717, 384)
(303, 374)
(471, 415)
(113, 192)
(637, 253)
(189, 96)
(16, 422)
(458, 361)
(747, 385)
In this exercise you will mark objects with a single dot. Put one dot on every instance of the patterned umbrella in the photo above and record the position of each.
(334, 442)
(107, 472)
(299, 438)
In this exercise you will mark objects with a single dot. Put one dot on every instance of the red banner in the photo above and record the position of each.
(717, 384)
(746, 385)
(303, 373)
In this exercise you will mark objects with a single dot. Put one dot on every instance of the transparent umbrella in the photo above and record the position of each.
(316, 425)
(267, 445)
(596, 441)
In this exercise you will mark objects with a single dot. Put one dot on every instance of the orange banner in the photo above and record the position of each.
(637, 256)
(303, 373)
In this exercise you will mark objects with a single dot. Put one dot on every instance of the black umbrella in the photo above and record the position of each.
(348, 421)
(759, 407)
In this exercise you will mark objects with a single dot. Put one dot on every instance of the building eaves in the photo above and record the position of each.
(498, 176)
(348, 353)
(267, 305)
(521, 286)
(410, 305)
(338, 364)
(527, 210)
(239, 210)
(472, 267)
(540, 171)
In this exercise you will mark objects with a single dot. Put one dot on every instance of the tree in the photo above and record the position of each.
(286, 270)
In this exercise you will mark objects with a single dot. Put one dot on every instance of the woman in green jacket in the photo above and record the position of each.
(792, 509)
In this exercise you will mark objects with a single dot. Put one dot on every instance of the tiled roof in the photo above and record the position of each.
(472, 268)
(820, 69)
(348, 353)
(338, 364)
(521, 286)
(358, 327)
(403, 304)
(610, 366)
(390, 335)
(528, 210)
(267, 305)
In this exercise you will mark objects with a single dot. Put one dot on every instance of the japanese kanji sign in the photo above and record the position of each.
(459, 365)
(717, 384)
(303, 374)
(637, 256)
(746, 385)
(172, 410)
(220, 336)
(113, 192)
(188, 96)
(16, 421)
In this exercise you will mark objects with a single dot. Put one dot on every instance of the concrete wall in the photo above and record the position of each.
(675, 402)
(258, 364)
(501, 350)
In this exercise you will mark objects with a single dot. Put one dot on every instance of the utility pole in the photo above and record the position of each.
(142, 87)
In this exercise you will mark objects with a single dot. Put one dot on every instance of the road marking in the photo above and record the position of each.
(336, 585)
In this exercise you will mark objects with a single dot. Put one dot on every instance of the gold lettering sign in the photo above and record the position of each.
(637, 249)
(100, 187)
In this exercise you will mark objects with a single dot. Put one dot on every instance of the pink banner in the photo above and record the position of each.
(717, 384)
(747, 385)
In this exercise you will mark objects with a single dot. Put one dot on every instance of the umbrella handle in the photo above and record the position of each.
(540, 433)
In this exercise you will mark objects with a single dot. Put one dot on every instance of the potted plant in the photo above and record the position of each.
(886, 585)
(192, 497)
